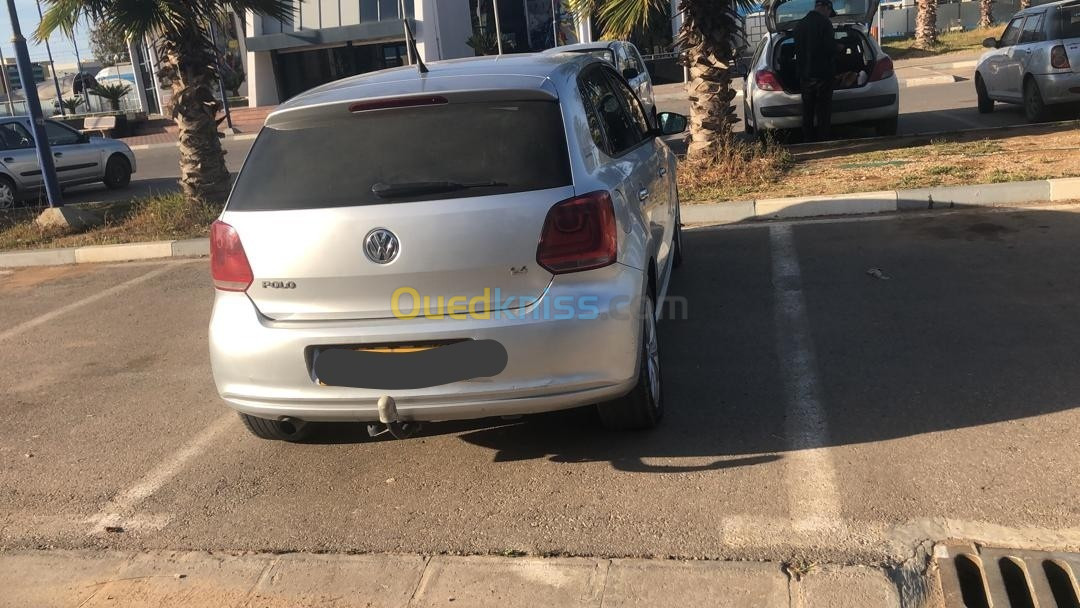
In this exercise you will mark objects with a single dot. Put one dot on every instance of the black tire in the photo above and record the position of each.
(887, 127)
(747, 127)
(1034, 108)
(8, 193)
(278, 430)
(643, 406)
(117, 172)
(986, 105)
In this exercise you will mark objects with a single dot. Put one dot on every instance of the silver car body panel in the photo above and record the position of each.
(262, 341)
(1004, 70)
(76, 163)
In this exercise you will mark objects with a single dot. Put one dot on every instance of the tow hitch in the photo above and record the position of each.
(391, 422)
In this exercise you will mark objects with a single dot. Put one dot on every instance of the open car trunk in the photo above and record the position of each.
(853, 66)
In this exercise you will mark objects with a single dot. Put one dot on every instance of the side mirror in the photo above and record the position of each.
(630, 73)
(990, 43)
(670, 123)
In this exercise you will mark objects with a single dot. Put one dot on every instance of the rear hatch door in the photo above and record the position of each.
(396, 211)
(1069, 32)
(783, 15)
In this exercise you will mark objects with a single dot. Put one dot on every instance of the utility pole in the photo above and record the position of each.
(33, 105)
(498, 26)
(221, 81)
(7, 85)
(52, 68)
(79, 74)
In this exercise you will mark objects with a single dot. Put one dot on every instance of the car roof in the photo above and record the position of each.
(520, 72)
(1040, 8)
(601, 45)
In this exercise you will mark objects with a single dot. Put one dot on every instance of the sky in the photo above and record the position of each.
(63, 49)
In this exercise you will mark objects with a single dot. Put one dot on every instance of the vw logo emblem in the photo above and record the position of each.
(381, 246)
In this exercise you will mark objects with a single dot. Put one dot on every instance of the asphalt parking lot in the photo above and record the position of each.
(814, 411)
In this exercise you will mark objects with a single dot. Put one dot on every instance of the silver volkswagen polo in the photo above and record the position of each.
(490, 238)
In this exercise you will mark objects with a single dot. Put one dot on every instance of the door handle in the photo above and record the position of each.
(643, 194)
(8, 159)
(663, 172)
(58, 154)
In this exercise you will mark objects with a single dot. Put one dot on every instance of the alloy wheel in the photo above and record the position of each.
(652, 353)
(7, 196)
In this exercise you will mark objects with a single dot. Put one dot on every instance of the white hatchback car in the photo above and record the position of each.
(771, 96)
(493, 237)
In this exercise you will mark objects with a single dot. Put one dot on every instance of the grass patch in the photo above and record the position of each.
(737, 169)
(944, 147)
(154, 218)
(948, 42)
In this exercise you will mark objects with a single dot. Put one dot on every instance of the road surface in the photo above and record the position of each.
(814, 412)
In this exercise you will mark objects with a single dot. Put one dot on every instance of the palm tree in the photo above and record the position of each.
(1025, 4)
(188, 61)
(710, 38)
(986, 13)
(71, 104)
(113, 92)
(926, 24)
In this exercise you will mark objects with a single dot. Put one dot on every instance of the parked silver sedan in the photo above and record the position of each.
(492, 238)
(867, 90)
(627, 61)
(1036, 62)
(79, 159)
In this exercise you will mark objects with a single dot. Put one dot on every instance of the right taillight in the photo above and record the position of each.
(766, 80)
(579, 234)
(883, 68)
(1058, 59)
(228, 262)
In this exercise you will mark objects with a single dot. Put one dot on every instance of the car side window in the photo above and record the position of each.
(620, 129)
(14, 136)
(1032, 30)
(59, 135)
(1011, 35)
(631, 105)
(635, 58)
(622, 58)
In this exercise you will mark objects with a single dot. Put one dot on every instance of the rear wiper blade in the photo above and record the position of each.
(405, 189)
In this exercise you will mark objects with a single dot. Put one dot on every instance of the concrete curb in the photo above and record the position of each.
(889, 201)
(94, 254)
(922, 81)
(168, 578)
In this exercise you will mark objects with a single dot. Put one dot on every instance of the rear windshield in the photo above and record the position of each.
(793, 10)
(1070, 22)
(605, 54)
(425, 153)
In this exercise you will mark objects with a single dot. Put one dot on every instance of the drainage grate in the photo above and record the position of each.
(1005, 578)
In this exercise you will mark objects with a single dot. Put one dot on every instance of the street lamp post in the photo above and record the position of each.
(33, 105)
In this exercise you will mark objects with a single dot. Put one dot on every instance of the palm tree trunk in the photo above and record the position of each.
(986, 13)
(189, 65)
(708, 38)
(926, 24)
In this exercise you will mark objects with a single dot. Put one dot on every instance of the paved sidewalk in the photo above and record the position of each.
(88, 579)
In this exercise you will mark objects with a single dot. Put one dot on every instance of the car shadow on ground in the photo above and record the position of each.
(974, 325)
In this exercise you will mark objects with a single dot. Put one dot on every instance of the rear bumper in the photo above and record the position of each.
(1059, 88)
(874, 102)
(555, 359)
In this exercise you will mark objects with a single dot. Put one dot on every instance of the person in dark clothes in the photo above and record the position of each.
(815, 56)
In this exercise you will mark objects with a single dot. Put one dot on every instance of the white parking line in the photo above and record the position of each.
(49, 316)
(814, 500)
(120, 509)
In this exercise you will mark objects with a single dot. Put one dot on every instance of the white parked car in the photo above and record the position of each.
(771, 96)
(491, 238)
(1036, 62)
(627, 61)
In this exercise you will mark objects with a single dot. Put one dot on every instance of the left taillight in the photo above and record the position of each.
(228, 263)
(883, 68)
(1059, 60)
(579, 234)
